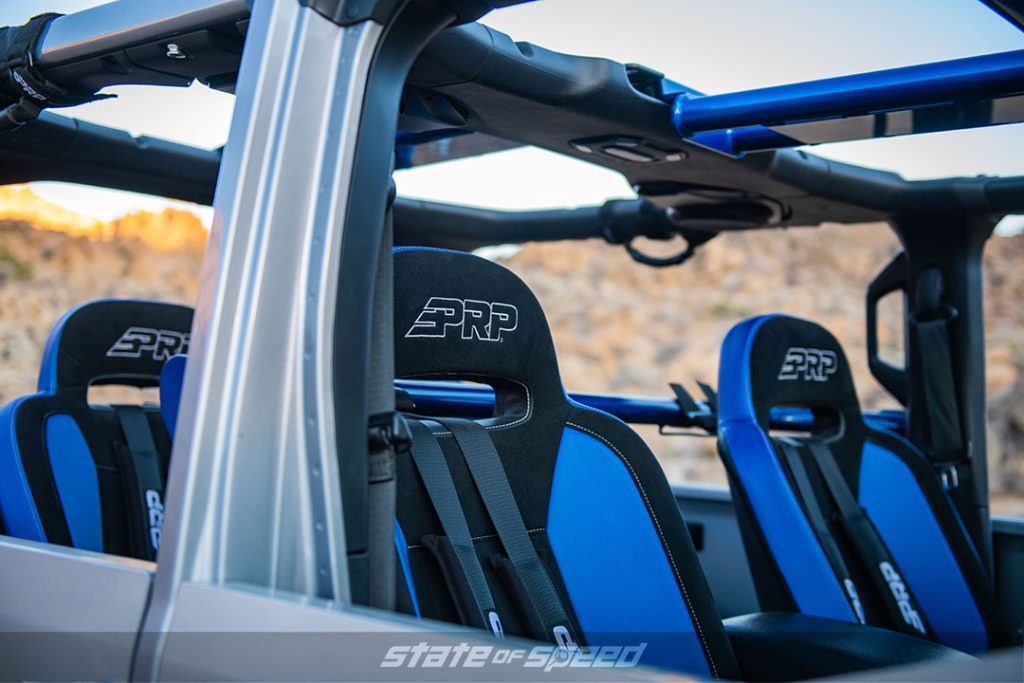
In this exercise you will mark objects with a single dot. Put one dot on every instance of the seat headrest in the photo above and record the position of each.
(462, 317)
(777, 360)
(113, 341)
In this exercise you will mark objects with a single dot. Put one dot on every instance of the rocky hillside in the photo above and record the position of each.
(51, 260)
(618, 326)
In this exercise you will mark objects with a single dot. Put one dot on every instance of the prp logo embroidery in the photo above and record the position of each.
(28, 89)
(813, 365)
(156, 517)
(469, 318)
(160, 344)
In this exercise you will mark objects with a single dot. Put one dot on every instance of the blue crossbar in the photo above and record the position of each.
(961, 93)
(452, 399)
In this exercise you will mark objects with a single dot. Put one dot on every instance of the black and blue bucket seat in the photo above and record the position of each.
(848, 521)
(594, 503)
(554, 520)
(548, 520)
(85, 475)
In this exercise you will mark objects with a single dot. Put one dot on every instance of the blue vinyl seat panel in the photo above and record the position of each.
(63, 478)
(809, 552)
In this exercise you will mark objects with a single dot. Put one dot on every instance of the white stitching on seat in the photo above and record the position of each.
(664, 543)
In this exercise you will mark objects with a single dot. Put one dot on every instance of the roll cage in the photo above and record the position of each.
(331, 96)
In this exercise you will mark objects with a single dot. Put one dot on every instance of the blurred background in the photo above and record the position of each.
(618, 326)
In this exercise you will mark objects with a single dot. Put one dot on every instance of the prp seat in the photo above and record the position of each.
(846, 522)
(83, 475)
(601, 551)
(598, 509)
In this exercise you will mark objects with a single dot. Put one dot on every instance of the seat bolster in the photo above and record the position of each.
(796, 550)
(172, 377)
(917, 521)
(74, 475)
(610, 496)
(17, 506)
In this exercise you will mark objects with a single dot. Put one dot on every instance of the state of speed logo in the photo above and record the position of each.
(466, 318)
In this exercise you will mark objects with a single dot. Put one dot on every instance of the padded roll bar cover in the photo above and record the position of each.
(123, 341)
(786, 646)
(436, 344)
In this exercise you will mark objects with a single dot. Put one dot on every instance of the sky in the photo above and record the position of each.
(714, 46)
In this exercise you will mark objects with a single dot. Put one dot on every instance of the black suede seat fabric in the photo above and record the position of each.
(594, 500)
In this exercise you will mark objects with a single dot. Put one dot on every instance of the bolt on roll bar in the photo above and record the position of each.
(971, 92)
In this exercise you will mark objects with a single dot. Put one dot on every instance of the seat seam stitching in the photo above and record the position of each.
(416, 546)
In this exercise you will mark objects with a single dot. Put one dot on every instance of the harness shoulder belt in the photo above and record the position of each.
(437, 478)
(492, 482)
(144, 487)
(899, 603)
(816, 517)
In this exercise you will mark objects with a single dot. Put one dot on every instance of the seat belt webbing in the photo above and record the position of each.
(437, 478)
(492, 483)
(945, 437)
(143, 482)
(882, 568)
(381, 493)
(792, 457)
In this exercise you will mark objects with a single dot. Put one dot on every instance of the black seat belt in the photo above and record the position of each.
(492, 483)
(931, 320)
(386, 431)
(819, 524)
(437, 478)
(899, 602)
(143, 481)
(945, 445)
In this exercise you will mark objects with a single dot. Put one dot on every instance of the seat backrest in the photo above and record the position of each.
(85, 475)
(598, 509)
(822, 512)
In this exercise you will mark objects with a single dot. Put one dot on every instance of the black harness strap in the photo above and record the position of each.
(437, 478)
(795, 462)
(143, 482)
(386, 431)
(936, 415)
(492, 482)
(24, 90)
(904, 612)
(945, 437)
